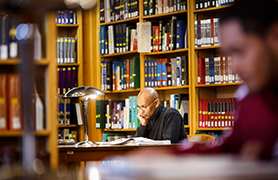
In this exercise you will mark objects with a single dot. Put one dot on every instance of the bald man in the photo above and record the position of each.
(156, 121)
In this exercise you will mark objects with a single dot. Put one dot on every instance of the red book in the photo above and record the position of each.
(210, 123)
(212, 32)
(226, 112)
(69, 78)
(156, 38)
(232, 111)
(229, 112)
(221, 69)
(14, 101)
(200, 113)
(3, 102)
(168, 37)
(201, 71)
(215, 113)
(127, 73)
(204, 113)
(219, 113)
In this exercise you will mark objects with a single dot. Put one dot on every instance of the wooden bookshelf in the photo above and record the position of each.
(119, 54)
(42, 62)
(219, 85)
(119, 130)
(163, 15)
(68, 64)
(212, 129)
(133, 19)
(171, 88)
(42, 133)
(122, 91)
(186, 126)
(20, 133)
(67, 25)
(167, 52)
(68, 126)
(211, 9)
(208, 47)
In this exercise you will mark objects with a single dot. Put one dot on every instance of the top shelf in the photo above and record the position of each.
(164, 15)
(42, 62)
(134, 19)
(208, 47)
(68, 25)
(211, 9)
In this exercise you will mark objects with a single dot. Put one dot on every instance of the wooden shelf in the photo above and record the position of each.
(117, 130)
(122, 91)
(167, 52)
(211, 9)
(171, 88)
(42, 62)
(20, 133)
(133, 19)
(217, 85)
(119, 54)
(213, 129)
(68, 25)
(208, 47)
(186, 126)
(164, 14)
(67, 64)
(68, 126)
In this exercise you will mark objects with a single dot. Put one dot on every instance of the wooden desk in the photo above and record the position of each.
(71, 154)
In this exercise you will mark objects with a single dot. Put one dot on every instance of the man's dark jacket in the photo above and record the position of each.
(164, 124)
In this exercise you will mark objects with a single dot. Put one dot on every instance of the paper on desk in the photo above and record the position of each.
(136, 141)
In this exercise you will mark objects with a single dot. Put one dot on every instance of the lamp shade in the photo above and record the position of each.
(83, 91)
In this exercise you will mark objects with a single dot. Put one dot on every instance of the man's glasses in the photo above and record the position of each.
(144, 108)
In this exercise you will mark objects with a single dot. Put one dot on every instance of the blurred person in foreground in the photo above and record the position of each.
(156, 121)
(249, 34)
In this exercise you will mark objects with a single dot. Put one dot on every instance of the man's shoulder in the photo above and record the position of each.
(168, 110)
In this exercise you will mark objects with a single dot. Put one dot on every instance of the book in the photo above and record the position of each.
(101, 113)
(144, 36)
(14, 102)
(3, 102)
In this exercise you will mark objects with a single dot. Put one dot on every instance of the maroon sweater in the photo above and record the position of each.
(256, 120)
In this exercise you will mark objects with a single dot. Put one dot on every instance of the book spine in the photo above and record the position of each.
(146, 73)
(3, 102)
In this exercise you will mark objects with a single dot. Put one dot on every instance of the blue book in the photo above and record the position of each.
(180, 33)
(70, 17)
(131, 85)
(114, 70)
(61, 112)
(135, 111)
(66, 17)
(59, 21)
(130, 113)
(178, 60)
(149, 73)
(159, 75)
(155, 72)
(105, 76)
(121, 118)
(122, 75)
(102, 75)
(164, 73)
(146, 73)
(199, 33)
(62, 17)
(101, 40)
(210, 73)
(152, 73)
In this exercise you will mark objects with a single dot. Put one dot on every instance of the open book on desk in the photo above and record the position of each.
(135, 141)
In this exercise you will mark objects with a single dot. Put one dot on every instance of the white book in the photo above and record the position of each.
(38, 111)
(127, 114)
(207, 77)
(107, 125)
(184, 109)
(37, 43)
(144, 36)
(203, 33)
(72, 50)
(216, 35)
(208, 32)
(78, 114)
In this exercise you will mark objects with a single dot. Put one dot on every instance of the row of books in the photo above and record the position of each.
(117, 114)
(67, 79)
(69, 112)
(216, 113)
(11, 107)
(117, 38)
(206, 32)
(108, 137)
(66, 17)
(166, 72)
(67, 134)
(203, 4)
(65, 49)
(114, 10)
(120, 75)
(169, 35)
(216, 70)
(152, 7)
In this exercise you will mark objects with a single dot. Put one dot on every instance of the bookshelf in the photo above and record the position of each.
(195, 90)
(75, 31)
(45, 79)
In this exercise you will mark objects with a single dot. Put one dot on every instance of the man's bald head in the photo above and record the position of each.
(148, 93)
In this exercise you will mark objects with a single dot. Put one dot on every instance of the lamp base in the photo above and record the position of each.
(84, 143)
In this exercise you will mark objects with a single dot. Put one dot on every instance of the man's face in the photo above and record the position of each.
(251, 59)
(147, 106)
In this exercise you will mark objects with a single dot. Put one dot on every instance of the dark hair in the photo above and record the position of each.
(255, 16)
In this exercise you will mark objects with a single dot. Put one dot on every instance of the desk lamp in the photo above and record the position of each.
(84, 93)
